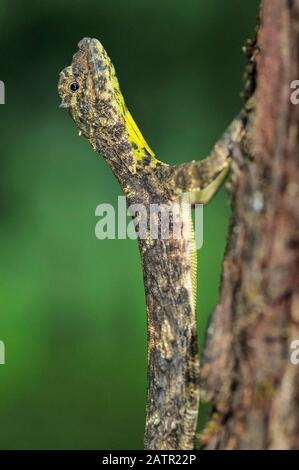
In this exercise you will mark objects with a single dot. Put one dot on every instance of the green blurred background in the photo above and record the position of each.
(72, 307)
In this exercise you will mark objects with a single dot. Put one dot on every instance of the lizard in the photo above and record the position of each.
(90, 91)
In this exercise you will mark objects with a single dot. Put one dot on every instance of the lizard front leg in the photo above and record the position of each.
(201, 179)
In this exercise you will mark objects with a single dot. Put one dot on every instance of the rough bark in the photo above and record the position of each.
(247, 372)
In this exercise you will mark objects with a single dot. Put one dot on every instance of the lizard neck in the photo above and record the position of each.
(122, 144)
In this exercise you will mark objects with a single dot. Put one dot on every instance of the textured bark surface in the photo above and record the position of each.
(247, 372)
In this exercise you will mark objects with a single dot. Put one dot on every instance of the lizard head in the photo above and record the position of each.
(89, 89)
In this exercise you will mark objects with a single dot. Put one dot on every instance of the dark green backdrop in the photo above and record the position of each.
(72, 307)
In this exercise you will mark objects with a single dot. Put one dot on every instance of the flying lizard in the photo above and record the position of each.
(90, 91)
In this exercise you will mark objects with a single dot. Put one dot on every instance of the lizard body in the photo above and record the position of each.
(90, 91)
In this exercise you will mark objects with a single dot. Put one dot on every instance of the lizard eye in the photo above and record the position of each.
(74, 86)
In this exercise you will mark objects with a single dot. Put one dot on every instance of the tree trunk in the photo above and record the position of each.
(247, 372)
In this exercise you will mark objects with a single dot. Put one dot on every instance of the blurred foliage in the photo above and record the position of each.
(72, 307)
